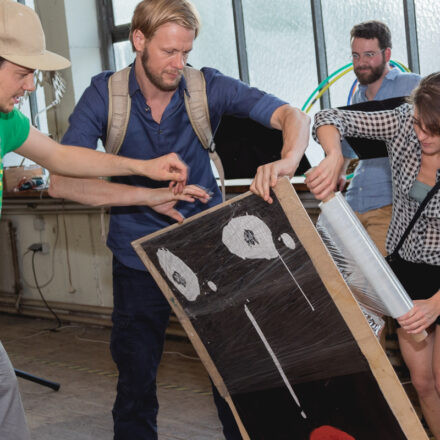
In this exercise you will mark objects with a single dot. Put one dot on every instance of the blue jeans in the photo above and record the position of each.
(140, 318)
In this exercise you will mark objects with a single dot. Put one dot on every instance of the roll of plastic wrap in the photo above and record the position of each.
(364, 268)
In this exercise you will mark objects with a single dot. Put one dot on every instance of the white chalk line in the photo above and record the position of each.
(296, 282)
(274, 358)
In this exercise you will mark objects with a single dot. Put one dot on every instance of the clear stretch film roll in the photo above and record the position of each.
(373, 277)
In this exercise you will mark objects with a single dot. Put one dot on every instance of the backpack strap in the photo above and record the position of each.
(196, 103)
(119, 106)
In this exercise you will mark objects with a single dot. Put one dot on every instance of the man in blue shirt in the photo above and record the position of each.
(162, 35)
(370, 191)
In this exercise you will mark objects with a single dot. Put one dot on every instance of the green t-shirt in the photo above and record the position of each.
(14, 130)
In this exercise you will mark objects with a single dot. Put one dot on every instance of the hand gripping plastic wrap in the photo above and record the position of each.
(365, 270)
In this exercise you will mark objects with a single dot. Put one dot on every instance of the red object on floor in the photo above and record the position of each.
(327, 432)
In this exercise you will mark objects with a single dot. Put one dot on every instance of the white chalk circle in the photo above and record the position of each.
(212, 286)
(249, 237)
(288, 241)
(182, 277)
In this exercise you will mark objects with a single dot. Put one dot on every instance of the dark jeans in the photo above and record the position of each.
(140, 317)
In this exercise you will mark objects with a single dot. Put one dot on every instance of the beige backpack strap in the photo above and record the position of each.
(196, 103)
(119, 105)
(221, 172)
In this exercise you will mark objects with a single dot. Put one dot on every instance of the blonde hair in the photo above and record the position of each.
(149, 15)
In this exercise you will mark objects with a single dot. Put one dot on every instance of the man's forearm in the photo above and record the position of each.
(90, 163)
(84, 162)
(295, 126)
(74, 161)
(97, 192)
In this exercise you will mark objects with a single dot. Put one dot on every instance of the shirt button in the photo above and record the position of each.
(360, 189)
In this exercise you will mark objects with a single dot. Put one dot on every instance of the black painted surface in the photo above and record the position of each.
(244, 145)
(323, 364)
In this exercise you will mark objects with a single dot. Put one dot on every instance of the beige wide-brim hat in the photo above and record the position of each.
(22, 39)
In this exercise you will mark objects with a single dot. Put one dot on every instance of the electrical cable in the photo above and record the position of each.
(69, 270)
(52, 261)
(42, 296)
(58, 84)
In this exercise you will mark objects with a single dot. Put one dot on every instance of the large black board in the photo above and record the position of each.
(323, 376)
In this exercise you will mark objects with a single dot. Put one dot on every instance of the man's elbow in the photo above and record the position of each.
(287, 114)
(302, 116)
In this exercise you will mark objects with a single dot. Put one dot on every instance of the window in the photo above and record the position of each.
(339, 17)
(277, 46)
(427, 15)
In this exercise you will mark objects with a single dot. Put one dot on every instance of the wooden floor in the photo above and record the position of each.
(78, 358)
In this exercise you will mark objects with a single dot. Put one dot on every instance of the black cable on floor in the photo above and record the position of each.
(54, 329)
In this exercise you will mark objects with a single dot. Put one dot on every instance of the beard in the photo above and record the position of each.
(369, 75)
(157, 80)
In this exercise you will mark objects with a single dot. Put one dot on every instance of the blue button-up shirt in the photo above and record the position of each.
(371, 186)
(147, 139)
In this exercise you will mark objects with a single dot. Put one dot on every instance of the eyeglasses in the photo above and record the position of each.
(367, 55)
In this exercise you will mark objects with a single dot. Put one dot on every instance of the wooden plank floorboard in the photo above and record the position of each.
(81, 410)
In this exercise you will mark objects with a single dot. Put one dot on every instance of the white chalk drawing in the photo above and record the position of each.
(288, 241)
(212, 286)
(248, 236)
(182, 277)
(274, 358)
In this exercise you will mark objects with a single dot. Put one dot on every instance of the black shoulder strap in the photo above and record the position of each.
(422, 206)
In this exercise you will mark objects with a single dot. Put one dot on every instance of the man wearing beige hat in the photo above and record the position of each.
(22, 51)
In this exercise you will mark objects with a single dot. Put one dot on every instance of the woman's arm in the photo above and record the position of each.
(332, 124)
(383, 125)
(322, 180)
(84, 162)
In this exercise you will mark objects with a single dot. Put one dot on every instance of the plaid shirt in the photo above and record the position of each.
(395, 127)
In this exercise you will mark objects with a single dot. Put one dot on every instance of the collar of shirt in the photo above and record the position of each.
(390, 76)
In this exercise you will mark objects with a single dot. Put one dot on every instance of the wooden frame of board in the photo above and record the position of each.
(338, 293)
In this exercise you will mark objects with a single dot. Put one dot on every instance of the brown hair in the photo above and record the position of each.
(373, 29)
(426, 97)
(149, 15)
